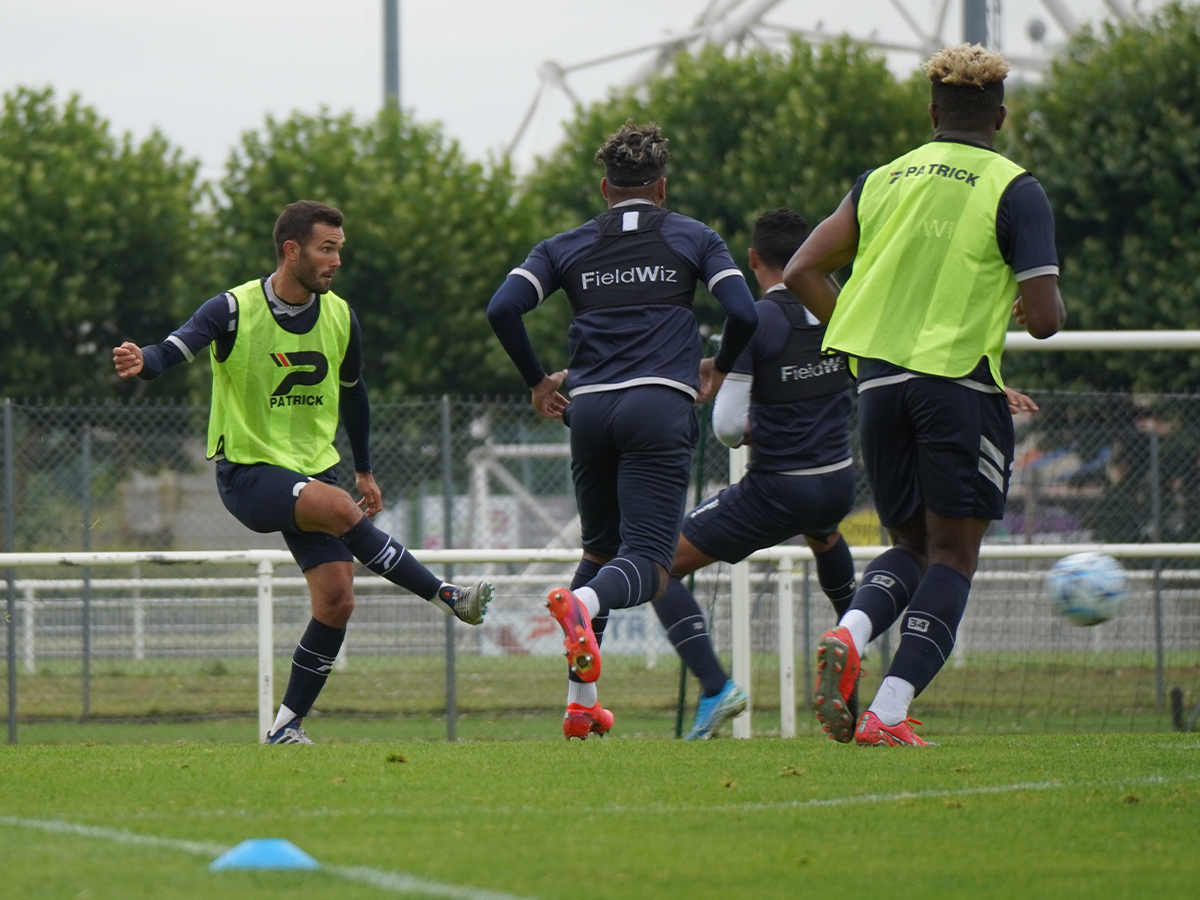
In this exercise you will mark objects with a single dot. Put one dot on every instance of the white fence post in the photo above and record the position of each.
(139, 617)
(28, 625)
(739, 602)
(787, 651)
(266, 649)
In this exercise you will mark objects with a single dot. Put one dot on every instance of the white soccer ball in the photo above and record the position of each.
(1086, 588)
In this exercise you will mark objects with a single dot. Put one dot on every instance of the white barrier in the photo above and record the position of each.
(785, 558)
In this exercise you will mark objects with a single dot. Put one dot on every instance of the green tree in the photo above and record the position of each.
(748, 133)
(429, 236)
(98, 242)
(1113, 134)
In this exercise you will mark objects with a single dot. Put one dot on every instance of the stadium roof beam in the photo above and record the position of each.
(1061, 13)
(725, 23)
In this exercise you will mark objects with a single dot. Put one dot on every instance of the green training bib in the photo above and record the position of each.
(275, 397)
(930, 291)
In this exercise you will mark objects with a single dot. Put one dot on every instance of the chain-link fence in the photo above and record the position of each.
(124, 643)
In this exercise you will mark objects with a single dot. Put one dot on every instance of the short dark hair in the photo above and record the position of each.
(967, 83)
(778, 234)
(634, 156)
(296, 222)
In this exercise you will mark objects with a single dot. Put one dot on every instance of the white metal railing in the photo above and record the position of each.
(786, 560)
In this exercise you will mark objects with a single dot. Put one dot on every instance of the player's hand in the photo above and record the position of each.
(1019, 403)
(128, 359)
(546, 397)
(372, 498)
(1019, 310)
(711, 380)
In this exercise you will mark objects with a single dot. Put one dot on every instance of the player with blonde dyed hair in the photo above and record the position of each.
(947, 241)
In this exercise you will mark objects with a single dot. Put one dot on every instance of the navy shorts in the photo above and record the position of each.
(936, 442)
(768, 508)
(631, 460)
(263, 498)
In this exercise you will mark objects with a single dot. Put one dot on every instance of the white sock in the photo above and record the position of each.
(859, 624)
(285, 715)
(589, 600)
(892, 701)
(583, 694)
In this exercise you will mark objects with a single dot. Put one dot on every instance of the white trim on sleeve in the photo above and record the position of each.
(532, 279)
(720, 276)
(1037, 273)
(187, 354)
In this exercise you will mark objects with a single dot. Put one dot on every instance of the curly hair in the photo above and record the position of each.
(634, 156)
(777, 234)
(967, 82)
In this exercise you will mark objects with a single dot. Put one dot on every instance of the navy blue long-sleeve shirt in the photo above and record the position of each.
(630, 275)
(215, 322)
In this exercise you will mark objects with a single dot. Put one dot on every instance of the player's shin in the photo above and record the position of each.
(887, 586)
(927, 635)
(625, 581)
(386, 556)
(835, 573)
(680, 615)
(311, 664)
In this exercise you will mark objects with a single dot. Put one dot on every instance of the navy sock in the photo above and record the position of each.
(386, 556)
(835, 572)
(928, 630)
(886, 588)
(680, 614)
(311, 664)
(583, 574)
(625, 581)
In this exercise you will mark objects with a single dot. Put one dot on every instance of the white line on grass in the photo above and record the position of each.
(660, 808)
(399, 882)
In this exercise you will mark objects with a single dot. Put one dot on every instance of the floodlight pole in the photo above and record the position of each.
(975, 16)
(10, 574)
(391, 53)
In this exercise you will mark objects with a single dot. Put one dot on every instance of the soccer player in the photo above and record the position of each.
(630, 276)
(792, 406)
(287, 360)
(942, 239)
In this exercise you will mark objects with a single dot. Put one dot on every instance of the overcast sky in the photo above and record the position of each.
(207, 70)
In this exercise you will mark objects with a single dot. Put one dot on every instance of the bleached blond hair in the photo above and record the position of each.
(967, 65)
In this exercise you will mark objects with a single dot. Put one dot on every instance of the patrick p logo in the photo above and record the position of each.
(304, 367)
(895, 176)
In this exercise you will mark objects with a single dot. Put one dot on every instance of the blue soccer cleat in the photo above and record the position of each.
(713, 712)
(291, 733)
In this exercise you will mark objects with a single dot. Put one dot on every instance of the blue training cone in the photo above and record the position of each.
(264, 853)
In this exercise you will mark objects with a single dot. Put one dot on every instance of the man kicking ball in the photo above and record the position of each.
(286, 361)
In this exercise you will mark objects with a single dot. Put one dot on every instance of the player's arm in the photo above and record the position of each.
(731, 410)
(1025, 233)
(355, 410)
(524, 290)
(215, 321)
(832, 244)
(728, 285)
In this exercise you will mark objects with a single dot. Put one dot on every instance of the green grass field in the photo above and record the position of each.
(977, 816)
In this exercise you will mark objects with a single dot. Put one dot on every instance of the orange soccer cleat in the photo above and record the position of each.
(873, 733)
(581, 647)
(580, 721)
(835, 700)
